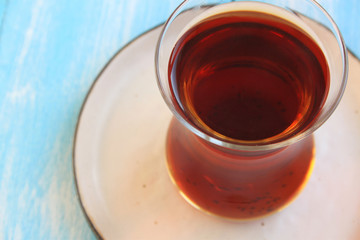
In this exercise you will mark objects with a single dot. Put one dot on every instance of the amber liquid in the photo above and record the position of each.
(236, 185)
(250, 78)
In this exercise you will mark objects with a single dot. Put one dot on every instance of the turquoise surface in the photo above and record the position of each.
(50, 53)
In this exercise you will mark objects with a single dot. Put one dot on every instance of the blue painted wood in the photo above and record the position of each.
(346, 14)
(50, 53)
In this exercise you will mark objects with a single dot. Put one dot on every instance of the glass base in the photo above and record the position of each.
(236, 184)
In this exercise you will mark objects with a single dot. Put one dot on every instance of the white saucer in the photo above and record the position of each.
(125, 190)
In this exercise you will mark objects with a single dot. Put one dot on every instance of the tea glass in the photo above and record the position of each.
(235, 178)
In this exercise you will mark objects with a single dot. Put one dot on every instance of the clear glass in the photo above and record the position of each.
(239, 178)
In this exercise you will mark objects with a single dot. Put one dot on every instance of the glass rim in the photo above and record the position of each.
(258, 145)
